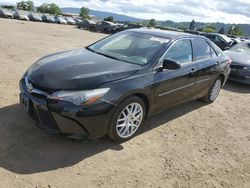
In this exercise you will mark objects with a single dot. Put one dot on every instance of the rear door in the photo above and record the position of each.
(207, 62)
(175, 86)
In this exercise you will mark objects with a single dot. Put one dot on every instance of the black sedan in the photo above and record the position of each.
(240, 55)
(223, 41)
(111, 86)
(106, 27)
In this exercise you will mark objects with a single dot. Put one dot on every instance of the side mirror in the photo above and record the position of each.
(170, 64)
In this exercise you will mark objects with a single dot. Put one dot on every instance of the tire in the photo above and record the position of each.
(124, 126)
(213, 91)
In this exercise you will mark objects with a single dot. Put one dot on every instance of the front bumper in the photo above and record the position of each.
(240, 75)
(65, 118)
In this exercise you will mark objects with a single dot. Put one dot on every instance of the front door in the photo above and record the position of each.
(176, 86)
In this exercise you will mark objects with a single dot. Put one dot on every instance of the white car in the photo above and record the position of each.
(21, 15)
(70, 21)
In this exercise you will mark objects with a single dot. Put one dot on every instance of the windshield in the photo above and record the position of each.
(241, 47)
(130, 47)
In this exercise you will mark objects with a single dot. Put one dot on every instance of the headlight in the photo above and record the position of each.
(79, 97)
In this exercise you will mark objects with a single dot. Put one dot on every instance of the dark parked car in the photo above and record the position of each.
(240, 55)
(21, 15)
(111, 86)
(35, 17)
(223, 41)
(129, 26)
(48, 19)
(106, 27)
(87, 24)
(6, 13)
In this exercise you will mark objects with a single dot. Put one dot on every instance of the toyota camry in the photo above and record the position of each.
(111, 86)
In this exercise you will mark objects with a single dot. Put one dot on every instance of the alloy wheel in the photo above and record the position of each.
(216, 90)
(129, 120)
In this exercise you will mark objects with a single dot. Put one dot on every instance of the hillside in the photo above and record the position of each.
(102, 15)
(168, 23)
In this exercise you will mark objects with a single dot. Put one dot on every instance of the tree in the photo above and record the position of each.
(192, 25)
(10, 7)
(49, 8)
(222, 31)
(183, 28)
(237, 31)
(209, 29)
(84, 13)
(25, 5)
(230, 31)
(109, 19)
(151, 23)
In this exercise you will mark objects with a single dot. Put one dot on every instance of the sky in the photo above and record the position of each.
(227, 11)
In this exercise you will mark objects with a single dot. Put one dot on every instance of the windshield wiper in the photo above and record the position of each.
(106, 55)
(100, 53)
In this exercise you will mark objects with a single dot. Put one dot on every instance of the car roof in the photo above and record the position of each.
(166, 34)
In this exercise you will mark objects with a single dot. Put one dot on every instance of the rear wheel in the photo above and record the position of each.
(213, 91)
(127, 119)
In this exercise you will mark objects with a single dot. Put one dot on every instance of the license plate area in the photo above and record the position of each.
(25, 103)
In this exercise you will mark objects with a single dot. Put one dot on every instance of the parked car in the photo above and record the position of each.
(6, 13)
(78, 20)
(111, 86)
(240, 67)
(48, 18)
(223, 41)
(35, 17)
(129, 26)
(86, 24)
(70, 21)
(60, 20)
(236, 41)
(21, 15)
(106, 27)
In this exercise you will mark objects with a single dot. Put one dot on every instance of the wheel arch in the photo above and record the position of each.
(140, 95)
(222, 77)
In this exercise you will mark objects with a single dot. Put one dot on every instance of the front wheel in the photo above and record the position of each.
(213, 91)
(127, 119)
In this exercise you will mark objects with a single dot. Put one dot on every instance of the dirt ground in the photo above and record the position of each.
(192, 145)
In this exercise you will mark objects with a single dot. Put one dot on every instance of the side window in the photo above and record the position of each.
(180, 51)
(217, 49)
(213, 53)
(202, 49)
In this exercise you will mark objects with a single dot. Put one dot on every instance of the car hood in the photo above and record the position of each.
(77, 69)
(239, 57)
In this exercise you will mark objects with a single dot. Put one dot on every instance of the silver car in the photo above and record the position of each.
(21, 15)
(35, 17)
(60, 20)
(70, 21)
(4, 13)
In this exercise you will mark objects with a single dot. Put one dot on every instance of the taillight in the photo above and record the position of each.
(229, 61)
